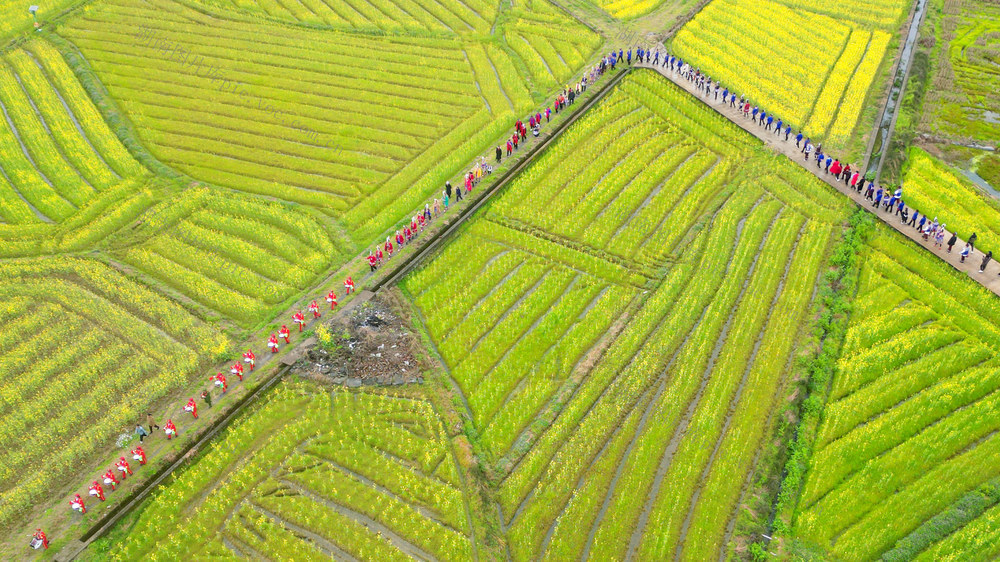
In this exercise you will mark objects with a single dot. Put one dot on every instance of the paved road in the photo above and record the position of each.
(989, 279)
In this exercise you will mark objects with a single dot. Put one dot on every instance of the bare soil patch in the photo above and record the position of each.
(372, 345)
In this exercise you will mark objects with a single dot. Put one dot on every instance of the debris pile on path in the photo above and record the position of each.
(371, 345)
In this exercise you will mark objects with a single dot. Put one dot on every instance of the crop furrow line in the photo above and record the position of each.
(668, 216)
(328, 548)
(859, 518)
(70, 113)
(48, 131)
(362, 519)
(24, 149)
(945, 418)
(734, 401)
(489, 294)
(681, 428)
(534, 324)
(506, 313)
(649, 197)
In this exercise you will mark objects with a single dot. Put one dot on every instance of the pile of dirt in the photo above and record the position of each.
(369, 345)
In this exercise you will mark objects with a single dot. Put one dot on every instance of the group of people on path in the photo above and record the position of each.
(118, 473)
(881, 198)
(122, 468)
(382, 253)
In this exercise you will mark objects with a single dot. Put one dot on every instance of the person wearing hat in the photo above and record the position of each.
(97, 490)
(139, 455)
(41, 539)
(76, 504)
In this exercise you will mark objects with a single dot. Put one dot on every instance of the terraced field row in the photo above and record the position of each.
(57, 155)
(456, 16)
(242, 256)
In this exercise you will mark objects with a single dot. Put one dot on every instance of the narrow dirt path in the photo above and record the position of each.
(989, 278)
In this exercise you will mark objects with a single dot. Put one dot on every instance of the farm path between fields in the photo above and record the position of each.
(989, 278)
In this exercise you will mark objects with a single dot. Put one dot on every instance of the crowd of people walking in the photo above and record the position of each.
(881, 198)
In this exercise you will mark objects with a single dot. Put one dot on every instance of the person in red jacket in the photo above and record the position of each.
(41, 538)
(314, 308)
(237, 369)
(299, 319)
(170, 429)
(835, 168)
(76, 504)
(97, 490)
(220, 381)
(348, 285)
(399, 239)
(388, 246)
(331, 298)
(272, 343)
(123, 467)
(140, 455)
(111, 479)
(192, 406)
(284, 333)
(378, 254)
(372, 261)
(250, 358)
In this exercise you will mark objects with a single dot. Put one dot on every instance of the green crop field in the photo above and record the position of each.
(963, 99)
(908, 440)
(174, 175)
(61, 163)
(638, 285)
(70, 322)
(649, 336)
(311, 475)
(756, 50)
(315, 117)
(615, 361)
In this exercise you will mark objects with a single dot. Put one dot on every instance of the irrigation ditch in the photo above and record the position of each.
(135, 498)
(890, 111)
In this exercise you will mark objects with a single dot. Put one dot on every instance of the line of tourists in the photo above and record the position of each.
(880, 198)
